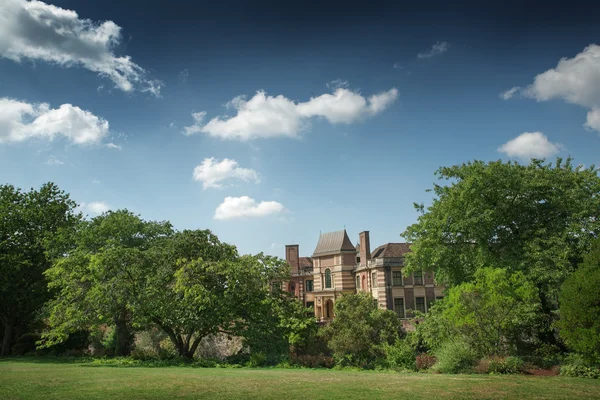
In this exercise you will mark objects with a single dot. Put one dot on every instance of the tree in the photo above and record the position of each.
(99, 281)
(233, 296)
(360, 329)
(186, 319)
(579, 322)
(33, 228)
(538, 219)
(494, 311)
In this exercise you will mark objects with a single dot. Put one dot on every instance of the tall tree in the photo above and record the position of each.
(538, 219)
(579, 322)
(100, 280)
(231, 296)
(33, 229)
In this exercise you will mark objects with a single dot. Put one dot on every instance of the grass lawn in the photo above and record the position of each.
(48, 379)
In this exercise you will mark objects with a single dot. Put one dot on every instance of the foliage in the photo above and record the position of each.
(359, 330)
(400, 355)
(578, 366)
(312, 361)
(505, 365)
(494, 311)
(425, 361)
(579, 323)
(434, 329)
(454, 357)
(537, 219)
(99, 281)
(34, 226)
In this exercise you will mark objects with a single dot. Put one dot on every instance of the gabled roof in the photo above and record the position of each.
(333, 243)
(391, 250)
(306, 262)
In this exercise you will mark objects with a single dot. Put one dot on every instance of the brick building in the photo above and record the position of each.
(337, 267)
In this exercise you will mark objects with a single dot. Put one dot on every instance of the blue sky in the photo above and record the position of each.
(111, 130)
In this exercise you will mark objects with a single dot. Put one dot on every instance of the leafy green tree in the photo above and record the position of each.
(163, 302)
(236, 296)
(360, 329)
(99, 281)
(579, 322)
(538, 219)
(33, 228)
(494, 311)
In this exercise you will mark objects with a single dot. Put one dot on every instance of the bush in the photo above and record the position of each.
(25, 344)
(257, 360)
(578, 366)
(505, 365)
(425, 361)
(312, 361)
(400, 355)
(455, 357)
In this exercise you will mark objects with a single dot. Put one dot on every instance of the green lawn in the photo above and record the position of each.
(45, 379)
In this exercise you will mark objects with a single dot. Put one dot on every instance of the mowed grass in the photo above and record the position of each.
(44, 379)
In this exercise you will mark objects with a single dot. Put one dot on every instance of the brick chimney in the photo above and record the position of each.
(292, 257)
(365, 248)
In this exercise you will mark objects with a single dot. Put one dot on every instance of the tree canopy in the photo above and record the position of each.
(34, 226)
(538, 219)
(579, 322)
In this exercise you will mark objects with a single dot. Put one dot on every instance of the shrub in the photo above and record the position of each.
(167, 350)
(454, 357)
(505, 365)
(483, 366)
(312, 361)
(578, 366)
(425, 361)
(25, 344)
(400, 355)
(257, 360)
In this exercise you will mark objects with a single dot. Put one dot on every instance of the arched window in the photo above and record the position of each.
(327, 278)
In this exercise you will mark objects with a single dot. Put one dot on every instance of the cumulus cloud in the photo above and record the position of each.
(265, 116)
(530, 145)
(246, 207)
(575, 80)
(212, 172)
(98, 207)
(436, 50)
(33, 30)
(20, 121)
(509, 93)
(113, 146)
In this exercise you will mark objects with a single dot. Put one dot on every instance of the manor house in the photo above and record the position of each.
(337, 266)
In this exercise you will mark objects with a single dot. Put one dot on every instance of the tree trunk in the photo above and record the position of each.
(6, 340)
(122, 336)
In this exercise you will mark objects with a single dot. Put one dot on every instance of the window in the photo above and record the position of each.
(309, 285)
(418, 278)
(327, 278)
(420, 304)
(374, 279)
(310, 304)
(439, 298)
(357, 281)
(399, 307)
(397, 278)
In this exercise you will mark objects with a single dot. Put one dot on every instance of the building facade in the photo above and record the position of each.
(337, 267)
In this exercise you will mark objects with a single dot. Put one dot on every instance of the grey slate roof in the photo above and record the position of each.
(333, 243)
(391, 250)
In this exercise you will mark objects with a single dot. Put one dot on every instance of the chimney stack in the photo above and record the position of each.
(365, 248)
(292, 257)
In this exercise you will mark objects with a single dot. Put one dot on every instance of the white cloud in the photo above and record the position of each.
(97, 207)
(52, 160)
(211, 172)
(245, 207)
(113, 146)
(336, 84)
(35, 30)
(509, 93)
(530, 145)
(436, 50)
(184, 75)
(575, 80)
(265, 116)
(20, 121)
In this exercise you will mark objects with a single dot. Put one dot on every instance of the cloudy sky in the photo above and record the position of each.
(268, 123)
